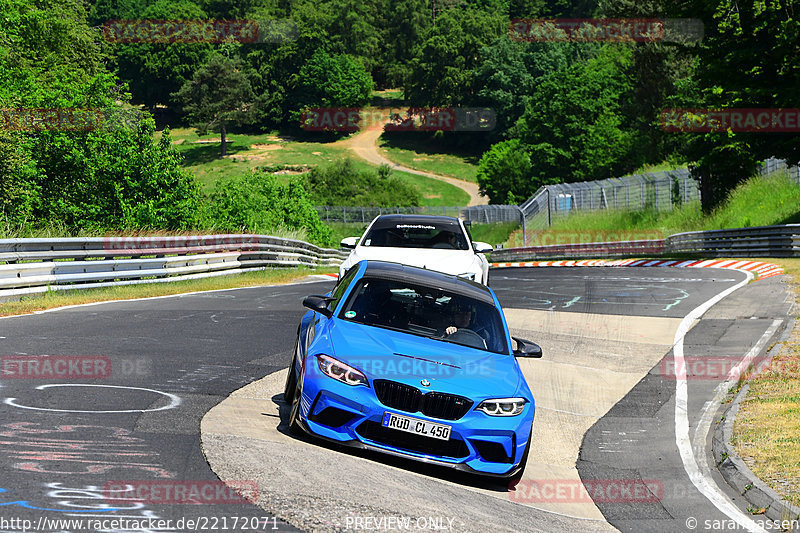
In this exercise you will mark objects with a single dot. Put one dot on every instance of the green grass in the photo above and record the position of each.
(760, 201)
(426, 154)
(435, 192)
(492, 233)
(766, 427)
(387, 97)
(247, 152)
(665, 165)
(341, 230)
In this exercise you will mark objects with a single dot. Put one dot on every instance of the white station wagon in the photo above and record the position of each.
(437, 243)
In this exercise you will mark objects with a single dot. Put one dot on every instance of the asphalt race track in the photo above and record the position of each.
(606, 417)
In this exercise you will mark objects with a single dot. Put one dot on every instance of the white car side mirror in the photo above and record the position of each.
(349, 242)
(480, 247)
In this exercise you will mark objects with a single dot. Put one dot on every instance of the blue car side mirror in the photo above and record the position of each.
(527, 348)
(318, 304)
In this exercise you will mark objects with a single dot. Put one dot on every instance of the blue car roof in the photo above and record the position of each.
(428, 278)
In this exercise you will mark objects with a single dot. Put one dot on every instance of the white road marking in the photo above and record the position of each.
(174, 402)
(703, 482)
(704, 425)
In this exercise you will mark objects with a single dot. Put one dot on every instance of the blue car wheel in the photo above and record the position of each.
(291, 376)
(294, 415)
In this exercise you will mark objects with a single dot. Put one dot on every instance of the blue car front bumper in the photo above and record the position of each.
(352, 415)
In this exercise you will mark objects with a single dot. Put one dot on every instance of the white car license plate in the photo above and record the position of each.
(416, 426)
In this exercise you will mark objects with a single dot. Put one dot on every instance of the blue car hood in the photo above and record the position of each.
(452, 368)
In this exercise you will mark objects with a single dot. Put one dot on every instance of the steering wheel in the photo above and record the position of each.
(468, 337)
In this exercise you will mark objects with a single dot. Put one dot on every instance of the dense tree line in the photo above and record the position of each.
(566, 111)
(579, 110)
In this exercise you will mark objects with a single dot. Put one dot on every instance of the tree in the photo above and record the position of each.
(510, 71)
(504, 173)
(218, 95)
(108, 177)
(663, 75)
(333, 80)
(155, 71)
(749, 58)
(407, 20)
(444, 63)
(574, 125)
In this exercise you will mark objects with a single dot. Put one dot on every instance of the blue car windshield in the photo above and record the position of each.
(426, 312)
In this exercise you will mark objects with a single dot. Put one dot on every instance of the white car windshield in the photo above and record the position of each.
(416, 235)
(426, 312)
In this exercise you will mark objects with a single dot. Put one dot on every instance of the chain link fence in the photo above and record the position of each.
(773, 165)
(661, 191)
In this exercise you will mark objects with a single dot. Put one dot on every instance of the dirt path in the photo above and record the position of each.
(364, 145)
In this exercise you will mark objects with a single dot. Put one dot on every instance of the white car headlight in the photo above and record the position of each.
(502, 406)
(468, 275)
(340, 371)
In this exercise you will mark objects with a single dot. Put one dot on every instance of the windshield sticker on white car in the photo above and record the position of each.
(414, 226)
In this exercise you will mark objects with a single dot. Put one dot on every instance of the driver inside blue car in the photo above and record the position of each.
(466, 322)
(461, 318)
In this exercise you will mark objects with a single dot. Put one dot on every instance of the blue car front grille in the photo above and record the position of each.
(411, 400)
(374, 431)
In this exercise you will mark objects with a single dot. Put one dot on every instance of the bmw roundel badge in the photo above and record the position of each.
(425, 383)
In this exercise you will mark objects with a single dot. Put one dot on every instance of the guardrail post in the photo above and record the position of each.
(549, 223)
(522, 216)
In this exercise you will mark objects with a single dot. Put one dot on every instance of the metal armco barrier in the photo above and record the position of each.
(29, 266)
(586, 250)
(765, 241)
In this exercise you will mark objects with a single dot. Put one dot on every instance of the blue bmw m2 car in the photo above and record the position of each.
(413, 363)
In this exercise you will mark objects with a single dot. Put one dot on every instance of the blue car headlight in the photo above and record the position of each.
(502, 406)
(340, 371)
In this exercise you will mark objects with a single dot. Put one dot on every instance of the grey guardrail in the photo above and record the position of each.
(36, 265)
(764, 241)
(580, 250)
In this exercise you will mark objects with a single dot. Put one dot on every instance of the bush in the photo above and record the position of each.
(504, 173)
(337, 80)
(343, 184)
(258, 203)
